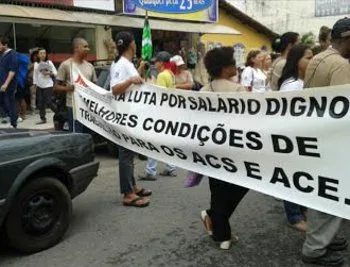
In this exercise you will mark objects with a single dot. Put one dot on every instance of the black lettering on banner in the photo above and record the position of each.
(159, 126)
(273, 106)
(253, 106)
(296, 180)
(198, 158)
(280, 176)
(153, 147)
(305, 143)
(333, 106)
(320, 108)
(210, 159)
(124, 116)
(185, 130)
(132, 121)
(253, 170)
(82, 112)
(172, 127)
(200, 136)
(117, 118)
(219, 135)
(126, 138)
(164, 98)
(347, 201)
(167, 150)
(145, 127)
(180, 154)
(277, 146)
(111, 116)
(295, 108)
(235, 135)
(229, 165)
(324, 185)
(193, 103)
(255, 142)
(284, 106)
(202, 104)
(233, 105)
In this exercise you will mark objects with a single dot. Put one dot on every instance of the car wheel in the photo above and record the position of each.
(113, 149)
(39, 216)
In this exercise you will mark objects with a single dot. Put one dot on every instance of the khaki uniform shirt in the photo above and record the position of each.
(327, 68)
(222, 85)
(276, 73)
(64, 75)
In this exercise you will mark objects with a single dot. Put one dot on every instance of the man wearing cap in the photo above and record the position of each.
(183, 78)
(166, 79)
(331, 67)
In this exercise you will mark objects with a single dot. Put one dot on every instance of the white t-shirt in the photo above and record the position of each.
(292, 85)
(41, 75)
(254, 78)
(122, 71)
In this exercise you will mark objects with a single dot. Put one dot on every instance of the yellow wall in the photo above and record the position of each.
(249, 37)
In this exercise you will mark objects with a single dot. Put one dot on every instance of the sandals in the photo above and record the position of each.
(134, 203)
(144, 193)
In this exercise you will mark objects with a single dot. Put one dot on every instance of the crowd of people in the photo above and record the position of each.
(297, 67)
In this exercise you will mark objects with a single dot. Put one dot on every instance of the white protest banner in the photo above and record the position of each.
(293, 146)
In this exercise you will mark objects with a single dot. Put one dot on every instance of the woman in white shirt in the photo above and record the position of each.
(124, 75)
(253, 78)
(44, 73)
(293, 73)
(292, 79)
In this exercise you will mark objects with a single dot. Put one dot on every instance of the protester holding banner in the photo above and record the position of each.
(281, 45)
(64, 81)
(253, 78)
(183, 77)
(292, 79)
(165, 79)
(123, 76)
(331, 67)
(225, 197)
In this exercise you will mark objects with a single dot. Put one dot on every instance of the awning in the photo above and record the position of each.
(71, 18)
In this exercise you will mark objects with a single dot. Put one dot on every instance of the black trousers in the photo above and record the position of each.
(225, 197)
(44, 100)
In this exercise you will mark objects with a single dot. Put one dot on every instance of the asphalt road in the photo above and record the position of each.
(168, 232)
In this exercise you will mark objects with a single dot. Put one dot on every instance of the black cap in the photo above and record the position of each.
(341, 29)
(163, 57)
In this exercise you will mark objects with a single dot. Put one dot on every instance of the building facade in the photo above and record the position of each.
(294, 15)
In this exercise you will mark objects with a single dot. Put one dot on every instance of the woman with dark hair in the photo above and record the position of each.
(44, 73)
(253, 77)
(281, 45)
(225, 197)
(123, 76)
(293, 73)
(292, 79)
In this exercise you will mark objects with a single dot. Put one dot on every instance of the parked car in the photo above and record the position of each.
(41, 172)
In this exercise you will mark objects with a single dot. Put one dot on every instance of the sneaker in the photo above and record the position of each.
(19, 119)
(147, 177)
(168, 173)
(41, 122)
(331, 258)
(300, 226)
(225, 245)
(338, 244)
(207, 222)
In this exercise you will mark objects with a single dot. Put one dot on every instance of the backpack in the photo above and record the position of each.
(23, 63)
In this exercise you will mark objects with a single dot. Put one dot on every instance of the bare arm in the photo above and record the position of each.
(61, 87)
(122, 87)
(185, 86)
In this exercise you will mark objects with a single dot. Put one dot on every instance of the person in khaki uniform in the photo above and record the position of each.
(322, 245)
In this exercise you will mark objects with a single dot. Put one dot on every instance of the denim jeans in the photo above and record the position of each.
(294, 212)
(8, 101)
(78, 127)
(151, 167)
(126, 170)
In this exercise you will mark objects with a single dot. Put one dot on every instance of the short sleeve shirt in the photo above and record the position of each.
(292, 84)
(276, 72)
(8, 63)
(121, 71)
(254, 78)
(166, 79)
(184, 77)
(64, 75)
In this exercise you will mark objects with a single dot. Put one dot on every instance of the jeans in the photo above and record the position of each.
(44, 99)
(151, 167)
(126, 170)
(225, 197)
(9, 105)
(74, 125)
(294, 212)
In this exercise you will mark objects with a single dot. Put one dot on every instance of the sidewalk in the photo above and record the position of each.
(31, 120)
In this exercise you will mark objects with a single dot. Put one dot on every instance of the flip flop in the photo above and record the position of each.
(144, 193)
(134, 204)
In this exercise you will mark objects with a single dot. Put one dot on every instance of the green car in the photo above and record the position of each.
(40, 173)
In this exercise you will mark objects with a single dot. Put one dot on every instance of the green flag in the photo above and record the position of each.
(147, 49)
